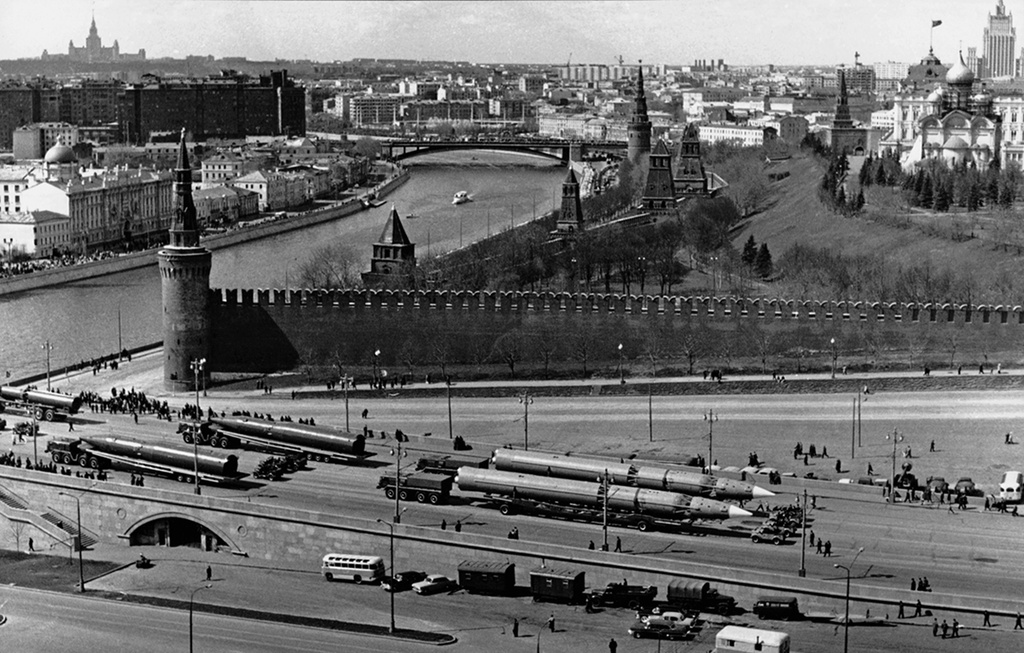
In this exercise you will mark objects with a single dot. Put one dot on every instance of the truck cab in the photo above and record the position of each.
(624, 595)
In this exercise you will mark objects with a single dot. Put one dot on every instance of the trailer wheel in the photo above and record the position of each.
(421, 497)
(94, 463)
(643, 526)
(38, 413)
(390, 493)
(83, 460)
(403, 495)
(433, 499)
(49, 415)
(505, 509)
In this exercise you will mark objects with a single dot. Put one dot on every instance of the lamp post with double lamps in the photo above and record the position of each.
(622, 371)
(846, 620)
(197, 367)
(391, 532)
(47, 347)
(525, 399)
(78, 539)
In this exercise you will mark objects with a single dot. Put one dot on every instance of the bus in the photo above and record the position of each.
(737, 639)
(1010, 487)
(356, 568)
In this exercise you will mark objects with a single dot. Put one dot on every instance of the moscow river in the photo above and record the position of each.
(80, 320)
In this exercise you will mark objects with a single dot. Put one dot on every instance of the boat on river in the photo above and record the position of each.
(461, 197)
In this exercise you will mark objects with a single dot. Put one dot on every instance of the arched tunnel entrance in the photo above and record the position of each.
(174, 531)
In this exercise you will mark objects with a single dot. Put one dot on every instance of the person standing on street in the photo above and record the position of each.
(515, 627)
(551, 623)
(613, 646)
(209, 572)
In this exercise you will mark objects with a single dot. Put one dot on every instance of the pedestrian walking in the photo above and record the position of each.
(931, 449)
(871, 471)
(987, 504)
(458, 525)
(366, 413)
(819, 547)
(945, 629)
(812, 537)
(839, 466)
(828, 548)
(618, 545)
(1017, 625)
(515, 627)
(901, 615)
(956, 628)
(935, 627)
(71, 426)
(917, 608)
(913, 585)
(209, 572)
(805, 459)
(613, 646)
(551, 623)
(824, 452)
(31, 544)
(986, 621)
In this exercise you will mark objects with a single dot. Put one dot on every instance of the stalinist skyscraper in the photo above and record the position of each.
(1000, 43)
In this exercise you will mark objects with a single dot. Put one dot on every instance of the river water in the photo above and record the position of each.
(81, 320)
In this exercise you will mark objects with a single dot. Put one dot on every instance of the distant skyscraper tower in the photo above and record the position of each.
(1000, 43)
(185, 282)
(639, 124)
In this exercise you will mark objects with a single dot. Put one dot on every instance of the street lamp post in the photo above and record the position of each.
(197, 366)
(47, 347)
(525, 399)
(834, 356)
(605, 483)
(78, 539)
(448, 392)
(622, 371)
(391, 531)
(346, 381)
(803, 538)
(896, 438)
(376, 368)
(846, 621)
(710, 418)
(397, 452)
(191, 601)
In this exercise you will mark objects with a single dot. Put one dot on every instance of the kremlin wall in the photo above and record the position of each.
(267, 330)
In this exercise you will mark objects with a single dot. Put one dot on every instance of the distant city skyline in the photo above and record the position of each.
(781, 32)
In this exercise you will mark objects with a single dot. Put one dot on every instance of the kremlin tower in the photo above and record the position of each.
(185, 284)
(639, 130)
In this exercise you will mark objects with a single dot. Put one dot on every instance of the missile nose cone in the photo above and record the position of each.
(759, 492)
(736, 511)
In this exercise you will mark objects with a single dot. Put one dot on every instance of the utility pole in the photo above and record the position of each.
(604, 495)
(197, 367)
(398, 477)
(448, 391)
(803, 538)
(346, 381)
(48, 348)
(525, 399)
(710, 418)
(896, 437)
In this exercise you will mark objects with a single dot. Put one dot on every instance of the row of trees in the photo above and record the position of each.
(940, 187)
(757, 259)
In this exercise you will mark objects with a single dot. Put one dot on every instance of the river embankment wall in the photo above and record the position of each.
(213, 242)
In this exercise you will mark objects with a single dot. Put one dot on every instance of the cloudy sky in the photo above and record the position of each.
(666, 31)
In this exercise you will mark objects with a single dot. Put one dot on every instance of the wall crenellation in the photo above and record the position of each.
(698, 306)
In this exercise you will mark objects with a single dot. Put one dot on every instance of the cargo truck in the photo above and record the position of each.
(424, 488)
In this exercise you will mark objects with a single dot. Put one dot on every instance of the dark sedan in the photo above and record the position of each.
(402, 581)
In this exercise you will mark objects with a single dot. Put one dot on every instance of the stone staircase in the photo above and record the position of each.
(51, 522)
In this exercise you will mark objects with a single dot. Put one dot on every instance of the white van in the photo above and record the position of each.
(356, 568)
(748, 640)
(1011, 486)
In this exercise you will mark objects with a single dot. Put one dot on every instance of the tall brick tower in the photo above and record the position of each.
(639, 129)
(185, 283)
(570, 217)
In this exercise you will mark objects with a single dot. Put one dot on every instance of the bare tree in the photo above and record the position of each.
(546, 342)
(508, 348)
(582, 343)
(330, 266)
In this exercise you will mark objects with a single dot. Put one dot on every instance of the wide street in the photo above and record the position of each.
(970, 557)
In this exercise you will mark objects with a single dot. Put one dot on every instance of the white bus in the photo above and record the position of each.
(356, 568)
(1010, 487)
(747, 640)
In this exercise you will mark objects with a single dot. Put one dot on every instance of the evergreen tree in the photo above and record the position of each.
(974, 196)
(858, 202)
(919, 177)
(880, 177)
(926, 196)
(1006, 194)
(749, 256)
(763, 266)
(942, 200)
(840, 203)
(992, 188)
(864, 177)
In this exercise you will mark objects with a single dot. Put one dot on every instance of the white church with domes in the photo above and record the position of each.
(957, 124)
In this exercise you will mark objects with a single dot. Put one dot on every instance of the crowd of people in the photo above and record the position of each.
(10, 460)
(17, 268)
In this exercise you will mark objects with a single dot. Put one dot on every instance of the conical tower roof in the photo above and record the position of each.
(394, 232)
(183, 154)
(570, 178)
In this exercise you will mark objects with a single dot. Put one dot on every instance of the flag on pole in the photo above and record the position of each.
(936, 23)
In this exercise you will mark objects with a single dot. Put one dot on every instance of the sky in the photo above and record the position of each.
(783, 32)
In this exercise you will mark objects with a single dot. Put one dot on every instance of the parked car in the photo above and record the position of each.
(769, 533)
(936, 484)
(401, 581)
(672, 617)
(658, 629)
(967, 486)
(435, 584)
